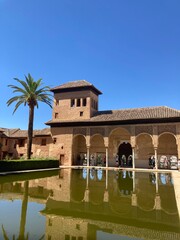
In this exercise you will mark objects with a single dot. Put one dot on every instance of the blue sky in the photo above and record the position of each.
(129, 49)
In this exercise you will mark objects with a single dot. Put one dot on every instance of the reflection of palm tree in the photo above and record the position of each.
(23, 217)
(24, 211)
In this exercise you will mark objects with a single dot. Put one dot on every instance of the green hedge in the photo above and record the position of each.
(19, 165)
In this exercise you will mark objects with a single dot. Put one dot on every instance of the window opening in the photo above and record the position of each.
(78, 102)
(84, 102)
(72, 102)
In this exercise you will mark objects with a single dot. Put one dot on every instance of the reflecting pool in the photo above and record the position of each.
(83, 204)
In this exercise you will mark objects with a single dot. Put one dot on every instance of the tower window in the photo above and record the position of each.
(56, 102)
(72, 102)
(84, 102)
(78, 102)
(56, 115)
(81, 114)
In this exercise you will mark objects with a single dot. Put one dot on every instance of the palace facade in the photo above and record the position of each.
(80, 134)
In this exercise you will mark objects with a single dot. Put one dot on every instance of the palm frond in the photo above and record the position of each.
(13, 99)
(17, 105)
(23, 83)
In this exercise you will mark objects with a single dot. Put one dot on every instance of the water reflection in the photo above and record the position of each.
(95, 204)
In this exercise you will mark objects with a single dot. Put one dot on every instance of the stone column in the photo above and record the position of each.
(155, 144)
(133, 157)
(106, 157)
(133, 145)
(88, 147)
(106, 143)
(178, 139)
(178, 147)
(156, 160)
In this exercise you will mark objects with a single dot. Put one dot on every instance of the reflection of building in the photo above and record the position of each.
(98, 204)
(80, 134)
(140, 205)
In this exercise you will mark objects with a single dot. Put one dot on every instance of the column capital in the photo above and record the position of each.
(133, 141)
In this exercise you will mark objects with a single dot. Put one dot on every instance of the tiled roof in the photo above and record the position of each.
(8, 132)
(75, 84)
(128, 114)
(136, 113)
(45, 131)
(18, 133)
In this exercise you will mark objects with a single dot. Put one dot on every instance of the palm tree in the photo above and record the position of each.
(31, 93)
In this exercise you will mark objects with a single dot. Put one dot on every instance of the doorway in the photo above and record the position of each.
(125, 154)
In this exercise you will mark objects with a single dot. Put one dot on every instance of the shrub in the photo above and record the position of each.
(19, 165)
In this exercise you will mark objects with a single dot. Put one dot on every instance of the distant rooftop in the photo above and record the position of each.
(18, 133)
(78, 84)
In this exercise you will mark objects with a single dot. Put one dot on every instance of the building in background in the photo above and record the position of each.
(80, 134)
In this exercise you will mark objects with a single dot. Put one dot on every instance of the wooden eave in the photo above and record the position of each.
(76, 89)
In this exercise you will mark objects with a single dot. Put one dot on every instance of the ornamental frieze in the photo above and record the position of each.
(144, 129)
(110, 129)
(81, 131)
(98, 130)
(166, 128)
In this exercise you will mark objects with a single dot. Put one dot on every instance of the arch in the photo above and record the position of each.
(116, 138)
(119, 129)
(79, 150)
(143, 133)
(168, 133)
(167, 145)
(144, 149)
(97, 150)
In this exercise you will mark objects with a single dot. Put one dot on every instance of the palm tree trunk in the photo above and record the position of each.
(30, 131)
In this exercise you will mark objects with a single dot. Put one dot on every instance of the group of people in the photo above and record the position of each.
(122, 161)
